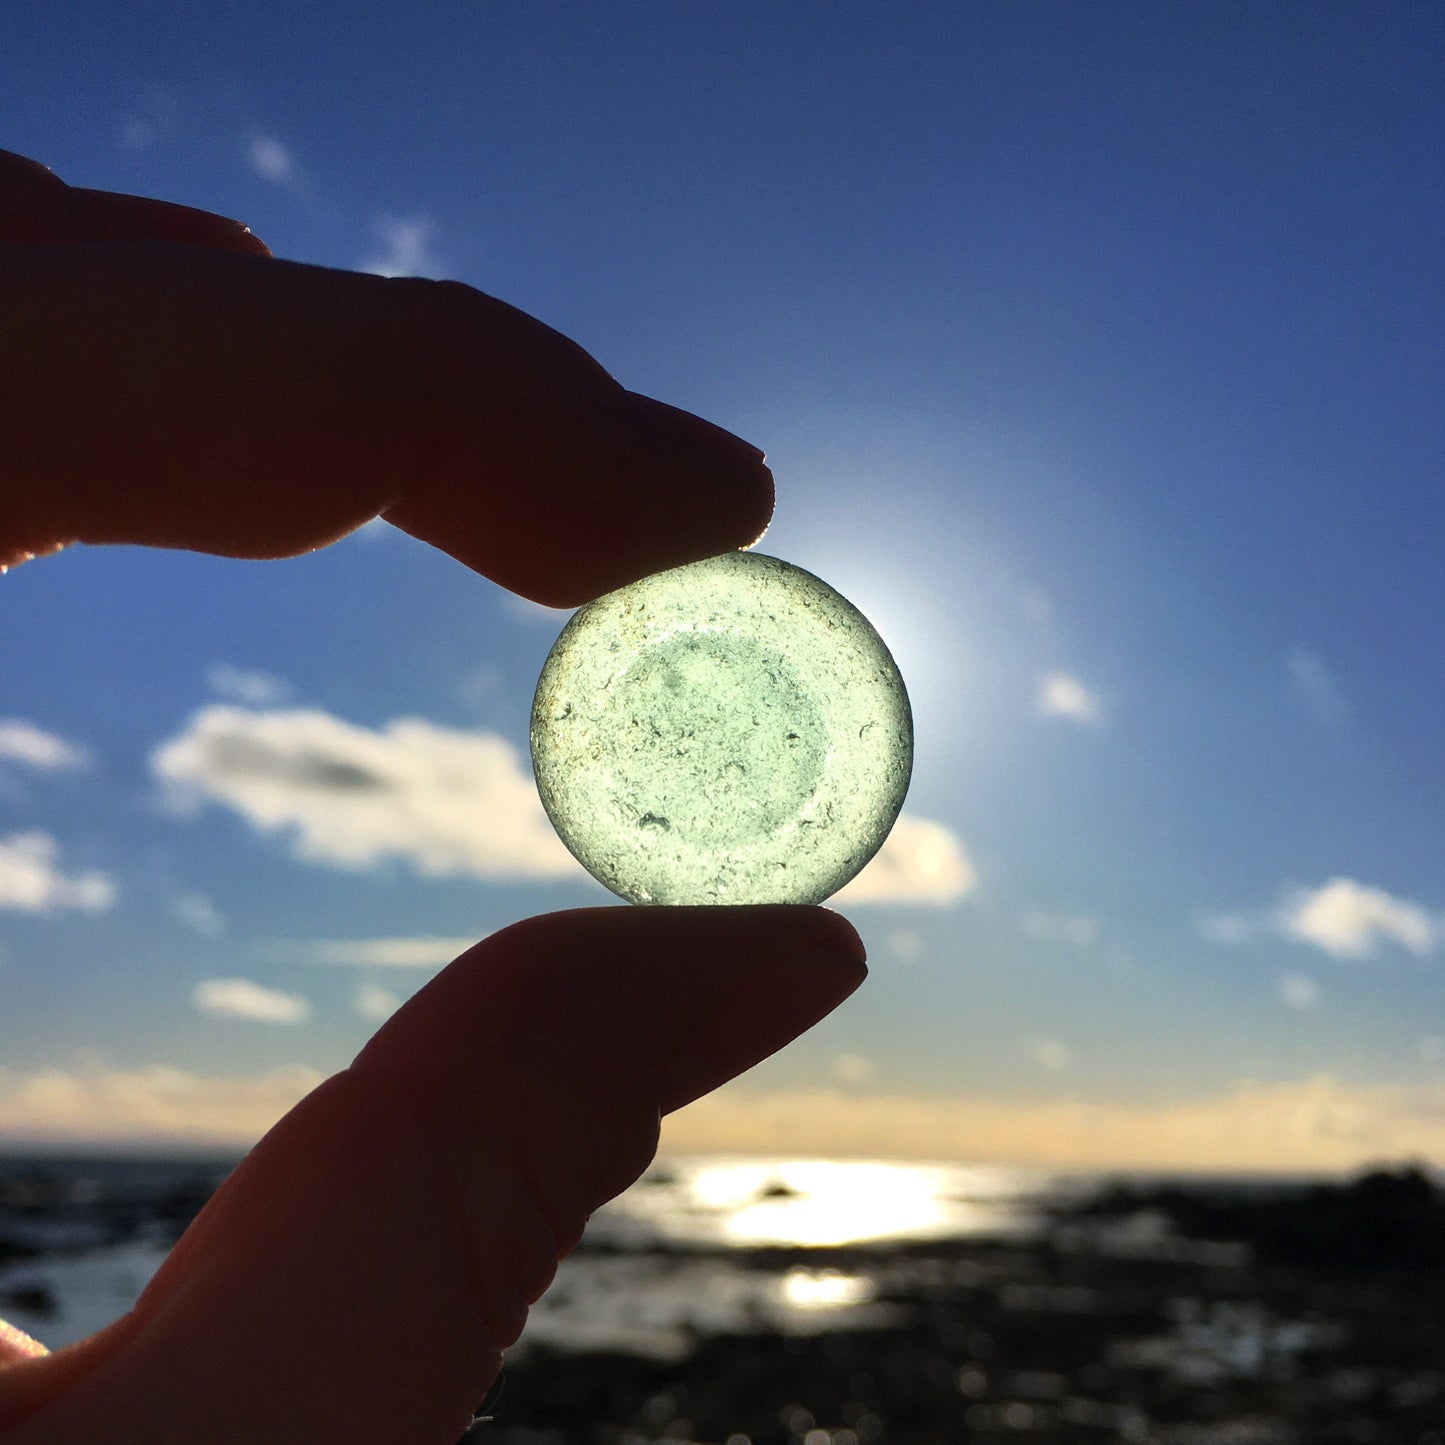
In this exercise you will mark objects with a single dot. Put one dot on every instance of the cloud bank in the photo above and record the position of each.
(447, 802)
(152, 1105)
(1321, 1123)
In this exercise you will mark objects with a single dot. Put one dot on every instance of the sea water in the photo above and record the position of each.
(684, 1252)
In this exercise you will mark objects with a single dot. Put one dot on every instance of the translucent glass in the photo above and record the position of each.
(732, 731)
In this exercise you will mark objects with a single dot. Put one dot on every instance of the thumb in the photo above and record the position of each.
(357, 1277)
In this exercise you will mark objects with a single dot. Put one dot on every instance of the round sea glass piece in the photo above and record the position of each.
(731, 731)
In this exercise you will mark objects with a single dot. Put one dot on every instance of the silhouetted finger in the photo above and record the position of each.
(37, 206)
(190, 395)
(357, 1276)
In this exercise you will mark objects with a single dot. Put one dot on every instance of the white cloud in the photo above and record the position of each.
(23, 742)
(1316, 1124)
(480, 687)
(406, 248)
(136, 133)
(271, 159)
(1347, 919)
(921, 862)
(423, 951)
(446, 801)
(1228, 928)
(247, 686)
(31, 880)
(852, 1069)
(905, 944)
(374, 1003)
(197, 912)
(1061, 928)
(1299, 991)
(240, 998)
(150, 119)
(1061, 694)
(1050, 1054)
(1316, 686)
(152, 1105)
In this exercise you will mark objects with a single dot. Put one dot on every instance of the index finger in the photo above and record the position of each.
(36, 205)
(185, 396)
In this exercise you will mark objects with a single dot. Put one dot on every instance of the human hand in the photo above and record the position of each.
(355, 1280)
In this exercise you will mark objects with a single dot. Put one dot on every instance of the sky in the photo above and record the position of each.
(1097, 351)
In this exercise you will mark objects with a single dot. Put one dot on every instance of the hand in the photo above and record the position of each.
(356, 1278)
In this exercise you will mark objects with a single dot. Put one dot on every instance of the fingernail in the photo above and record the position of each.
(682, 428)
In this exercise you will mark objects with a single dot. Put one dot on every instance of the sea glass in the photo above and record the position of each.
(731, 731)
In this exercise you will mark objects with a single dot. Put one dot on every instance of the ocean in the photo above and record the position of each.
(84, 1235)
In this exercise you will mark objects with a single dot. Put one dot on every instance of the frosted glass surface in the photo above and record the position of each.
(732, 731)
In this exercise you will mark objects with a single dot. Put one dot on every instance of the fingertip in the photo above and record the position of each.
(565, 527)
(553, 480)
(39, 207)
(844, 937)
(112, 216)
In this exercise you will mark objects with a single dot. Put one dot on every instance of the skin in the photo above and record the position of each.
(168, 382)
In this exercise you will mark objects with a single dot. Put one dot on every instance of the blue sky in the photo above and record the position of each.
(1097, 352)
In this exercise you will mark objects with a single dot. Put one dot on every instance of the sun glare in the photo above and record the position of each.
(825, 1289)
(819, 1203)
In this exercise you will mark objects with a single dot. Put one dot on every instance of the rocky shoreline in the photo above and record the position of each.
(1314, 1316)
(1194, 1314)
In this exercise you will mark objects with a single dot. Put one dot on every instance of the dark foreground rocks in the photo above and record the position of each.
(1315, 1316)
(1172, 1315)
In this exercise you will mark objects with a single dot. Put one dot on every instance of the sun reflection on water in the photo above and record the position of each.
(826, 1202)
(825, 1289)
(812, 1204)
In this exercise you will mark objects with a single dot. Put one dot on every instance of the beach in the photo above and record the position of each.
(798, 1302)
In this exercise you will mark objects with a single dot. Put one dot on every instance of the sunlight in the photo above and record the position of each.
(831, 1202)
(930, 640)
(770, 1201)
(822, 1204)
(824, 1289)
